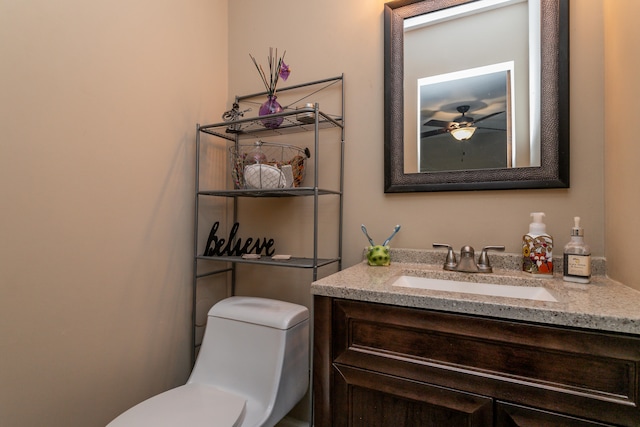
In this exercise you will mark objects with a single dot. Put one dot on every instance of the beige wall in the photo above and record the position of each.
(98, 106)
(329, 37)
(622, 88)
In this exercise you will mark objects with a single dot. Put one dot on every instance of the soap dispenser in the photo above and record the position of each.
(537, 247)
(577, 256)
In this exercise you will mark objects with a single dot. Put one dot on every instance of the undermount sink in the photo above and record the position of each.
(536, 293)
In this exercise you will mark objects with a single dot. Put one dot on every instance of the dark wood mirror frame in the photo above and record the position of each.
(553, 171)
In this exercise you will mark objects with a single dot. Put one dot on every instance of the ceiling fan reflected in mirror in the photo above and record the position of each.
(461, 128)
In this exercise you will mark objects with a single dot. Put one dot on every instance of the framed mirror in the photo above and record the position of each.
(476, 95)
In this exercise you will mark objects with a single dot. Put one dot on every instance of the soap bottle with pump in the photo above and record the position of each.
(537, 248)
(577, 256)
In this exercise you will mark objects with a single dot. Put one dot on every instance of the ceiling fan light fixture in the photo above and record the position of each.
(464, 133)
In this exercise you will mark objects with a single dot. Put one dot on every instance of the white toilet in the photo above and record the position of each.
(253, 367)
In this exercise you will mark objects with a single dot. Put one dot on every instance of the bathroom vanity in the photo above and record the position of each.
(388, 355)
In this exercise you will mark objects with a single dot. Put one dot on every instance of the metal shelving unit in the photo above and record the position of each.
(252, 128)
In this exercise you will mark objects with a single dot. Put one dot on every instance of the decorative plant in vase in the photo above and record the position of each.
(277, 70)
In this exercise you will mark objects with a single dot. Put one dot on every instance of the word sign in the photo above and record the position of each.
(220, 247)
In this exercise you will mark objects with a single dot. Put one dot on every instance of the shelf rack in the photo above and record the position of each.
(252, 128)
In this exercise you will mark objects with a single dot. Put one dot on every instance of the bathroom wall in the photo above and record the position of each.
(329, 37)
(98, 106)
(622, 151)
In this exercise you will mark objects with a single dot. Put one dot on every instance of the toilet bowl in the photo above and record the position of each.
(253, 367)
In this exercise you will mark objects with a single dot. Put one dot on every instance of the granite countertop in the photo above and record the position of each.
(603, 304)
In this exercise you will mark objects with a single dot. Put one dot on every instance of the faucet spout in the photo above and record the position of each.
(467, 263)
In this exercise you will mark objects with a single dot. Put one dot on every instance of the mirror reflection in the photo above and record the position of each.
(478, 67)
(465, 120)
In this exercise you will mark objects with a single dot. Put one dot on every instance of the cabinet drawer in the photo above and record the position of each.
(557, 369)
(378, 400)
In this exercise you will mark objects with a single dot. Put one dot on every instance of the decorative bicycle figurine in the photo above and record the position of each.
(233, 115)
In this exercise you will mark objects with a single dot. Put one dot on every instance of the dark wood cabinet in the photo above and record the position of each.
(383, 365)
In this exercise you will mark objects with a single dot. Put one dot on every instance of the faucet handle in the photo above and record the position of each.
(450, 263)
(483, 261)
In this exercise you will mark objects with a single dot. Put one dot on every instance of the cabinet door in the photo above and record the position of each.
(508, 415)
(369, 399)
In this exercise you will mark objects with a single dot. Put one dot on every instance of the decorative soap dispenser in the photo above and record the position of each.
(577, 256)
(537, 248)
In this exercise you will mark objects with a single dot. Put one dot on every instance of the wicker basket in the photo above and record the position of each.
(267, 165)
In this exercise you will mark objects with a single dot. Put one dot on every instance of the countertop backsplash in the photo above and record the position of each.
(499, 260)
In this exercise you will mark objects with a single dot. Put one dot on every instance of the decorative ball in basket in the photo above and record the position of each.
(267, 165)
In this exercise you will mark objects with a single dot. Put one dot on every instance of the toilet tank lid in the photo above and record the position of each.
(260, 311)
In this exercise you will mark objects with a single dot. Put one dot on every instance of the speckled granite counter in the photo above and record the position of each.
(603, 304)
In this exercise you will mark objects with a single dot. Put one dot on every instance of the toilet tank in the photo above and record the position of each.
(258, 348)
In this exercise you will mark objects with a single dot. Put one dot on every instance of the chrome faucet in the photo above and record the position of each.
(467, 263)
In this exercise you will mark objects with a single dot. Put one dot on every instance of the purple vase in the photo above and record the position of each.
(271, 106)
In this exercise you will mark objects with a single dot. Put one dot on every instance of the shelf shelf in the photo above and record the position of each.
(276, 192)
(253, 128)
(266, 260)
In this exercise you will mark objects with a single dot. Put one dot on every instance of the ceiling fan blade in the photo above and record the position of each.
(490, 128)
(435, 132)
(438, 123)
(487, 116)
